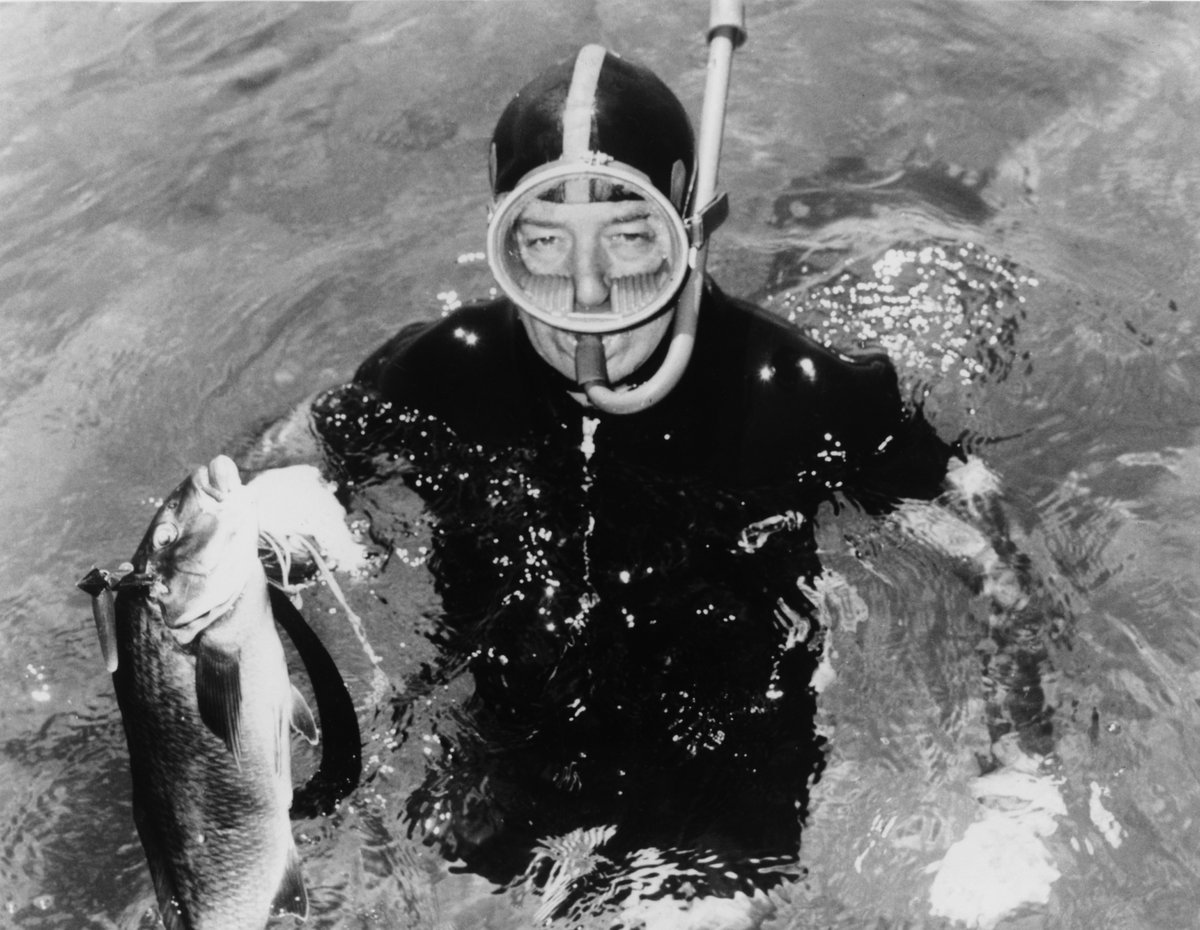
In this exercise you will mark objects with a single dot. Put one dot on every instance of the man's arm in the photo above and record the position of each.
(313, 432)
(961, 524)
(967, 524)
(289, 469)
(291, 440)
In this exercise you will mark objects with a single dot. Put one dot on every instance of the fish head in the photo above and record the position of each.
(201, 548)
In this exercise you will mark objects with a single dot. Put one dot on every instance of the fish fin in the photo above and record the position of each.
(292, 896)
(171, 916)
(219, 694)
(303, 721)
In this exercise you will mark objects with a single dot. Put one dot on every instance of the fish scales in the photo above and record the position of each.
(220, 832)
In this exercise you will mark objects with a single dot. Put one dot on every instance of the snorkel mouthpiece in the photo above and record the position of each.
(590, 366)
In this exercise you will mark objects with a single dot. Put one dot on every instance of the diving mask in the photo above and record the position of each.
(588, 245)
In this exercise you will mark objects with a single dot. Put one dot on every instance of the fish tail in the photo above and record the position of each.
(292, 896)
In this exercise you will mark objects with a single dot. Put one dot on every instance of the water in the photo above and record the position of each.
(209, 212)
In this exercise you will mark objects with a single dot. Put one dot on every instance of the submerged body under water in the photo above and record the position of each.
(623, 592)
(632, 611)
(213, 211)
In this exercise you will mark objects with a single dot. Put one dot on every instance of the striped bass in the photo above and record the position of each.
(202, 684)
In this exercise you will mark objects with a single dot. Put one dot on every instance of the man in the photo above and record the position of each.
(621, 586)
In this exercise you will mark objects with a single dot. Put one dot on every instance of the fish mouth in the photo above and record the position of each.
(220, 479)
(221, 482)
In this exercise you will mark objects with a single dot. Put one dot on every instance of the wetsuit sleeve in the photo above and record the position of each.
(336, 430)
(370, 373)
(832, 418)
(290, 440)
(358, 425)
(906, 459)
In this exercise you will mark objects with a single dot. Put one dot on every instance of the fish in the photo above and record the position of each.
(202, 685)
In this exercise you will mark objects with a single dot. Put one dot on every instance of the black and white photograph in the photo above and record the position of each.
(600, 465)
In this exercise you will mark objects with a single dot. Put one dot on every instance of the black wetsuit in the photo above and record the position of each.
(627, 604)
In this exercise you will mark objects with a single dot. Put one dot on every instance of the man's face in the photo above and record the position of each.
(593, 243)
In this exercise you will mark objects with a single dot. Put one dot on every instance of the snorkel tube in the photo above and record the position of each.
(726, 31)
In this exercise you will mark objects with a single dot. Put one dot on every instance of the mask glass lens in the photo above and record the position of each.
(591, 249)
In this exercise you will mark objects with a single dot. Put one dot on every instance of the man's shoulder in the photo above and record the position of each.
(770, 334)
(785, 365)
(464, 369)
(473, 333)
(799, 403)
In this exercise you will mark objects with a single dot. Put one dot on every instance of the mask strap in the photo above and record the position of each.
(726, 32)
(578, 113)
(678, 182)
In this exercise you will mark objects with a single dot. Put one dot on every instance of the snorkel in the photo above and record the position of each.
(726, 32)
(603, 208)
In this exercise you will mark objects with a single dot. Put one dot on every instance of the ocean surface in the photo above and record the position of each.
(208, 212)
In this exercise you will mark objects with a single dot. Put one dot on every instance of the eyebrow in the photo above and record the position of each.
(636, 212)
(542, 224)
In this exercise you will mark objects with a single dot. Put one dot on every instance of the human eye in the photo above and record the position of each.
(542, 247)
(534, 238)
(632, 240)
(634, 234)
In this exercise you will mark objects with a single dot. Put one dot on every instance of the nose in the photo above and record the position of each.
(590, 274)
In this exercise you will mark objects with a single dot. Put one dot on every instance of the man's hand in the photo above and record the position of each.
(298, 510)
(968, 524)
(963, 524)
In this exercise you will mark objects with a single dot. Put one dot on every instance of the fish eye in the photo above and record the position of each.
(164, 534)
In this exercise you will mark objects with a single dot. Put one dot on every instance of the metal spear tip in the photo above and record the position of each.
(95, 581)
